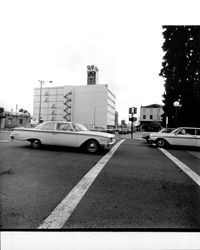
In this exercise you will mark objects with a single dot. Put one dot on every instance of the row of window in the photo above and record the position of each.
(151, 110)
(111, 93)
(150, 117)
(113, 108)
(111, 100)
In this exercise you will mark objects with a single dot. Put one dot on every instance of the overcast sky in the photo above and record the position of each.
(56, 40)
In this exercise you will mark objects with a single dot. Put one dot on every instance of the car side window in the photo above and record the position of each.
(47, 126)
(190, 131)
(187, 132)
(182, 132)
(198, 132)
(64, 127)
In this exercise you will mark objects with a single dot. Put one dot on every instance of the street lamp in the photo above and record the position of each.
(176, 105)
(42, 82)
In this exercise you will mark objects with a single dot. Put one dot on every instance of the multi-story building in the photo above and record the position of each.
(150, 117)
(92, 105)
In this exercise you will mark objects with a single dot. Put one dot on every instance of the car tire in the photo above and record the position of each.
(92, 146)
(161, 143)
(36, 144)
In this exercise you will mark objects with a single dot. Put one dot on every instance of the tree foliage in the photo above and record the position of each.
(181, 70)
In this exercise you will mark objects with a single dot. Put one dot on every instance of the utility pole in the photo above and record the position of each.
(41, 83)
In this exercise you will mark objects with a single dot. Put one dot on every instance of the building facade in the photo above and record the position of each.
(150, 117)
(92, 105)
(13, 119)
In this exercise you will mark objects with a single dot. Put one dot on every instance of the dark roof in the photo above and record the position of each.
(153, 106)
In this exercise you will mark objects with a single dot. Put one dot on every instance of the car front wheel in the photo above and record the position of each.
(35, 143)
(92, 146)
(160, 143)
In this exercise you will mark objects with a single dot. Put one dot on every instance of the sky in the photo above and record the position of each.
(55, 40)
(99, 241)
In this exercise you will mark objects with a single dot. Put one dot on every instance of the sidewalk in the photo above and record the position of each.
(136, 136)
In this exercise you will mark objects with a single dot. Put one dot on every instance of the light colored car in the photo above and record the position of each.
(183, 136)
(61, 133)
(163, 130)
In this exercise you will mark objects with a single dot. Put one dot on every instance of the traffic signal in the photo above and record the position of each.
(135, 111)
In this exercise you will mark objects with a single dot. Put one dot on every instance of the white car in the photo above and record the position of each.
(163, 130)
(61, 133)
(183, 136)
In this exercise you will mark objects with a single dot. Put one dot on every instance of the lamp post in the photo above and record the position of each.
(42, 82)
(176, 105)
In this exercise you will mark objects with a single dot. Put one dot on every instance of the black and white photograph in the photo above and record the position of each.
(99, 119)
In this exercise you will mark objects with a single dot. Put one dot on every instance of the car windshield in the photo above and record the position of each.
(175, 130)
(163, 130)
(79, 127)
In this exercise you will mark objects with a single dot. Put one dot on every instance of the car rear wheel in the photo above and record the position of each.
(160, 143)
(35, 144)
(92, 146)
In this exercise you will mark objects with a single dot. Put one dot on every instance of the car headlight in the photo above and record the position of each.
(111, 139)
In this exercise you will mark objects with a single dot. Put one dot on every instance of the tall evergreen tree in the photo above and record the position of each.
(181, 70)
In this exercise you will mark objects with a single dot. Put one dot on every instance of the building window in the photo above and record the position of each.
(151, 117)
(9, 121)
(144, 117)
(20, 121)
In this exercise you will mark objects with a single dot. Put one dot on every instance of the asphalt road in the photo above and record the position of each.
(138, 188)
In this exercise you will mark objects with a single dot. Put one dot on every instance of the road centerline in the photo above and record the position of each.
(195, 177)
(63, 211)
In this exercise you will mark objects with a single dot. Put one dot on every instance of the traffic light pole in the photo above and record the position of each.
(132, 126)
(132, 111)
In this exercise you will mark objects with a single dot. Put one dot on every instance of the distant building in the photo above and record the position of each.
(15, 119)
(150, 117)
(91, 105)
(116, 119)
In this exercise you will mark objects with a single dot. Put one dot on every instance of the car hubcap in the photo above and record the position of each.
(36, 144)
(161, 143)
(92, 147)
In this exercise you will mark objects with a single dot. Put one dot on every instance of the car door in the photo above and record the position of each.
(64, 135)
(185, 137)
(197, 138)
(45, 133)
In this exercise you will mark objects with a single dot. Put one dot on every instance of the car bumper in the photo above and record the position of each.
(150, 140)
(109, 145)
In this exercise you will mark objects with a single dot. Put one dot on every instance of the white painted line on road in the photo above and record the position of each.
(195, 177)
(63, 211)
(4, 140)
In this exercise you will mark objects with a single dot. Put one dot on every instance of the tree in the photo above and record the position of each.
(181, 70)
(24, 111)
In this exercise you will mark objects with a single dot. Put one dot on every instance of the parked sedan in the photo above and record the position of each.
(183, 136)
(64, 134)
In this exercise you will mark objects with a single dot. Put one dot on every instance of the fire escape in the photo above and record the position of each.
(67, 109)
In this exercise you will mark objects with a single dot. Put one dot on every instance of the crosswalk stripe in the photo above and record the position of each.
(63, 211)
(195, 177)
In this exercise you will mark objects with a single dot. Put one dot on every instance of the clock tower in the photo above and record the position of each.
(92, 75)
